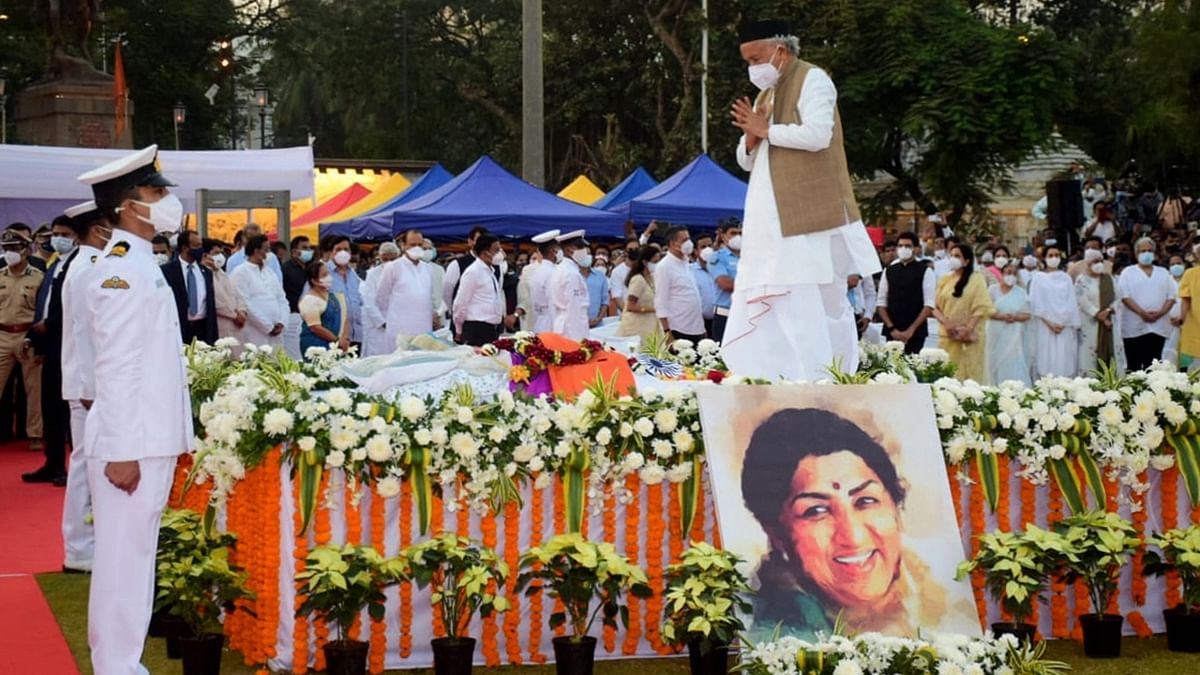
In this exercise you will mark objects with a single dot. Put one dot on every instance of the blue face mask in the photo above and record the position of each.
(1177, 270)
(306, 255)
(1146, 258)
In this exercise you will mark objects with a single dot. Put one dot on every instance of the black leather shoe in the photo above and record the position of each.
(60, 481)
(74, 570)
(42, 475)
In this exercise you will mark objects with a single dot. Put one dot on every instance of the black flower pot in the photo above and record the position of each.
(202, 654)
(1102, 635)
(1024, 632)
(157, 630)
(713, 662)
(174, 629)
(1183, 630)
(574, 657)
(453, 656)
(346, 657)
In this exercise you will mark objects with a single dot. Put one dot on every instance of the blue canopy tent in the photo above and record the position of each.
(485, 194)
(634, 184)
(377, 223)
(701, 194)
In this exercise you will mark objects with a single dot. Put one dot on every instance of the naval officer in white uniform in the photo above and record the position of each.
(140, 420)
(568, 290)
(78, 386)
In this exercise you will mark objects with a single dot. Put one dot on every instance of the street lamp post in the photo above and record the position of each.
(180, 116)
(262, 98)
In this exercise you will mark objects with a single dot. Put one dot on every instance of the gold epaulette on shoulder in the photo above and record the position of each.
(119, 250)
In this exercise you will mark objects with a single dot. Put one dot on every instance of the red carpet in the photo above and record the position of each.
(30, 542)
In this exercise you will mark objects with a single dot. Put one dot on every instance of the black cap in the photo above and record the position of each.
(762, 30)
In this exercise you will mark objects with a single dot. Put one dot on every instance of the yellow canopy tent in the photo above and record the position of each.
(582, 191)
(384, 192)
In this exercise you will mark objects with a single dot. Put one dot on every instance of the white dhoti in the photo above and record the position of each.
(79, 541)
(790, 317)
(122, 590)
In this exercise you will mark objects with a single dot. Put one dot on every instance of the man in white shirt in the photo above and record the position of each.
(568, 290)
(1148, 294)
(406, 295)
(437, 273)
(478, 304)
(676, 297)
(375, 321)
(240, 256)
(540, 276)
(620, 274)
(263, 292)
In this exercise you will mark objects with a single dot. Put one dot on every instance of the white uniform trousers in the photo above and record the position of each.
(79, 541)
(291, 337)
(122, 592)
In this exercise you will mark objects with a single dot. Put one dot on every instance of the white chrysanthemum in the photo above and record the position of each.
(885, 378)
(707, 346)
(379, 449)
(412, 408)
(335, 459)
(342, 439)
(464, 415)
(439, 435)
(662, 449)
(652, 474)
(358, 455)
(497, 434)
(525, 452)
(644, 427)
(604, 436)
(666, 420)
(278, 422)
(1111, 415)
(363, 410)
(1057, 452)
(464, 446)
(634, 461)
(680, 473)
(683, 440)
(537, 464)
(306, 443)
(388, 487)
(339, 399)
(625, 430)
(1162, 462)
(848, 667)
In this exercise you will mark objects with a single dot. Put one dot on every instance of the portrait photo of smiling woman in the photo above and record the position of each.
(838, 497)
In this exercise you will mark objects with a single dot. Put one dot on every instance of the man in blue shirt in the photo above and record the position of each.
(597, 286)
(722, 267)
(345, 281)
(239, 256)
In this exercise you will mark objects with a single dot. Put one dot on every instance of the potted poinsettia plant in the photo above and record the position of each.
(464, 578)
(1016, 566)
(705, 596)
(179, 531)
(1180, 554)
(577, 571)
(1097, 545)
(197, 583)
(337, 584)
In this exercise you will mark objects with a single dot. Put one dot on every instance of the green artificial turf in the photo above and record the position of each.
(67, 596)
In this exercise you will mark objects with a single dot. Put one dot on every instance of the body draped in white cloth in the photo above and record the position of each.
(789, 316)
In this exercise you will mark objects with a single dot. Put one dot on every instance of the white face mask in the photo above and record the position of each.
(1097, 268)
(904, 252)
(415, 253)
(956, 264)
(1001, 261)
(764, 75)
(12, 258)
(1053, 262)
(498, 258)
(165, 214)
(582, 257)
(219, 261)
(162, 259)
(1029, 262)
(650, 266)
(341, 258)
(427, 254)
(323, 282)
(735, 242)
(1010, 280)
(706, 254)
(1092, 255)
(687, 247)
(986, 257)
(62, 245)
(1111, 251)
(939, 253)
(558, 255)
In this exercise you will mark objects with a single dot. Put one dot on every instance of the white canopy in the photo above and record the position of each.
(48, 174)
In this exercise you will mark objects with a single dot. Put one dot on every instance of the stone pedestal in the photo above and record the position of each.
(80, 114)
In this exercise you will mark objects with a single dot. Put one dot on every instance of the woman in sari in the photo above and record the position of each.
(963, 302)
(1007, 359)
(1097, 295)
(324, 315)
(639, 317)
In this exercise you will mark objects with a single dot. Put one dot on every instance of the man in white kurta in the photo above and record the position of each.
(540, 281)
(78, 385)
(789, 315)
(266, 304)
(568, 290)
(141, 418)
(406, 294)
(375, 321)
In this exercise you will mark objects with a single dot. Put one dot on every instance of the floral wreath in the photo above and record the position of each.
(538, 357)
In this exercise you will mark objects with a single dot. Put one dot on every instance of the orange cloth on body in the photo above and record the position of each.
(569, 381)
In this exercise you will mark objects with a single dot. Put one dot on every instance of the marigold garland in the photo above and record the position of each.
(674, 544)
(1170, 516)
(512, 557)
(1004, 499)
(1028, 517)
(323, 535)
(1137, 579)
(560, 527)
(537, 517)
(609, 520)
(267, 603)
(978, 527)
(538, 356)
(697, 533)
(406, 587)
(1058, 588)
(299, 553)
(956, 496)
(1138, 623)
(354, 535)
(1083, 605)
(633, 533)
(490, 646)
(656, 533)
(437, 523)
(378, 626)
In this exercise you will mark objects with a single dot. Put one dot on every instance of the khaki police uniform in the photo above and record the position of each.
(18, 302)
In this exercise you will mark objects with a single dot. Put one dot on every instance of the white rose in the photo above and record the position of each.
(388, 487)
(412, 408)
(335, 459)
(379, 449)
(278, 422)
(306, 443)
(542, 481)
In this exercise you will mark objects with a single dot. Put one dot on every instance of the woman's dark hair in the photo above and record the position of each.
(794, 434)
(638, 263)
(1001, 247)
(968, 268)
(312, 271)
